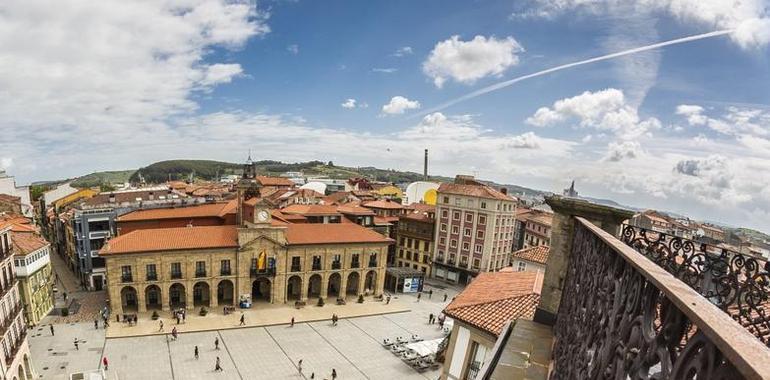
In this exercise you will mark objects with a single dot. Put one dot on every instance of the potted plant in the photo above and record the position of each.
(360, 298)
(320, 301)
(155, 315)
(203, 311)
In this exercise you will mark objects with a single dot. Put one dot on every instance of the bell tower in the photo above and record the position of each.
(246, 188)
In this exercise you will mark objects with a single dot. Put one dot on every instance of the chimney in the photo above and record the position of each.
(504, 190)
(112, 198)
(425, 166)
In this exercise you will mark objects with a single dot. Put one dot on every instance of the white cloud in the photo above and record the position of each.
(293, 49)
(398, 105)
(6, 162)
(617, 151)
(221, 73)
(694, 114)
(736, 121)
(467, 61)
(384, 70)
(749, 18)
(349, 103)
(527, 140)
(604, 110)
(402, 51)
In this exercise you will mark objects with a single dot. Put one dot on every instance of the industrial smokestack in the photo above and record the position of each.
(425, 166)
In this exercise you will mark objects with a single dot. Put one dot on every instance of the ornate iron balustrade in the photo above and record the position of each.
(623, 316)
(736, 283)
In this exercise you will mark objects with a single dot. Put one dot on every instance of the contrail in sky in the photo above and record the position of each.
(498, 86)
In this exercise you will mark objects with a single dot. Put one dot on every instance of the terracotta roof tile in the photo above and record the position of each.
(131, 196)
(196, 211)
(332, 234)
(311, 210)
(481, 191)
(25, 243)
(169, 239)
(352, 209)
(274, 181)
(537, 254)
(386, 205)
(492, 299)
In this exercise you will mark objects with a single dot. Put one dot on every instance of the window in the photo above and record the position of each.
(522, 266)
(408, 255)
(200, 269)
(453, 243)
(476, 263)
(446, 199)
(402, 241)
(468, 232)
(483, 204)
(295, 266)
(458, 201)
(479, 248)
(126, 273)
(455, 229)
(425, 259)
(482, 219)
(480, 234)
(464, 260)
(442, 241)
(152, 274)
(176, 270)
(224, 266)
(469, 218)
(400, 253)
(373, 259)
(444, 213)
(354, 263)
(316, 262)
(466, 246)
(456, 215)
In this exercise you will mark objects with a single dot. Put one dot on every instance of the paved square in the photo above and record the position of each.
(353, 348)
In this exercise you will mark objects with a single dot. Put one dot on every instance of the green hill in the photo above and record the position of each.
(102, 178)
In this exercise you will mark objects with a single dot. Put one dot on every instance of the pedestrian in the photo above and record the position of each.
(418, 296)
(161, 326)
(177, 318)
(76, 345)
(52, 333)
(299, 365)
(444, 297)
(117, 318)
(430, 293)
(292, 321)
(218, 367)
(106, 364)
(65, 296)
(196, 353)
(184, 316)
(174, 333)
(334, 373)
(216, 343)
(312, 375)
(387, 302)
(96, 324)
(243, 319)
(430, 319)
(106, 322)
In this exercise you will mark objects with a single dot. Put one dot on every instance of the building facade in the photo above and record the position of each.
(415, 238)
(474, 229)
(537, 229)
(532, 259)
(8, 186)
(32, 264)
(16, 356)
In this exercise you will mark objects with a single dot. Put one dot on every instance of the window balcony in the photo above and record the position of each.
(355, 264)
(254, 272)
(152, 277)
(200, 273)
(126, 278)
(296, 268)
(225, 272)
(336, 265)
(372, 264)
(176, 275)
(316, 266)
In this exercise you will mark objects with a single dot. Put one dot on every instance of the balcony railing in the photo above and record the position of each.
(6, 322)
(296, 268)
(316, 266)
(372, 264)
(262, 272)
(176, 275)
(200, 273)
(225, 272)
(736, 283)
(623, 316)
(15, 347)
(355, 264)
(126, 278)
(152, 277)
(336, 265)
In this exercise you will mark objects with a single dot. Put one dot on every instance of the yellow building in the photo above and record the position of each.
(264, 259)
(390, 191)
(78, 195)
(32, 265)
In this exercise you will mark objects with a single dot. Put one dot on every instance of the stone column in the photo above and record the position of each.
(362, 281)
(213, 301)
(141, 302)
(165, 300)
(343, 284)
(188, 294)
(303, 288)
(324, 285)
(379, 288)
(562, 233)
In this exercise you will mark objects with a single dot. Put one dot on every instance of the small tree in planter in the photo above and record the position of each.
(203, 311)
(320, 301)
(360, 298)
(65, 311)
(155, 315)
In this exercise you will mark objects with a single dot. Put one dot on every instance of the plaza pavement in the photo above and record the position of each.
(254, 352)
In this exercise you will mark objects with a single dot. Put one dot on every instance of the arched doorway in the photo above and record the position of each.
(260, 290)
(294, 288)
(201, 294)
(314, 286)
(333, 289)
(152, 297)
(27, 367)
(370, 282)
(225, 292)
(128, 299)
(352, 288)
(176, 296)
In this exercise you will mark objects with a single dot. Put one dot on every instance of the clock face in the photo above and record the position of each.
(263, 216)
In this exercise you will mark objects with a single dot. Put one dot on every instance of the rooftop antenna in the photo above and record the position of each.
(425, 166)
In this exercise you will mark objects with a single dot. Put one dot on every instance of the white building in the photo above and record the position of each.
(8, 186)
(59, 192)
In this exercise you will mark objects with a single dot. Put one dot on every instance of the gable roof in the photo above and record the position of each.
(335, 233)
(386, 205)
(274, 181)
(25, 243)
(537, 254)
(170, 239)
(494, 298)
(196, 211)
(475, 190)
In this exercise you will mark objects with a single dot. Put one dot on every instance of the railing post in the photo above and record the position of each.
(562, 233)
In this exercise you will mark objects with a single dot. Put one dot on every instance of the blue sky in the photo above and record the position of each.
(119, 85)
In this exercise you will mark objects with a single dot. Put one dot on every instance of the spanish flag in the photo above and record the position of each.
(262, 260)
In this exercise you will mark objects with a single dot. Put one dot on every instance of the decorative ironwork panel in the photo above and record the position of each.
(615, 324)
(736, 283)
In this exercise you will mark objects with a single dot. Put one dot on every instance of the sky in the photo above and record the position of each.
(88, 86)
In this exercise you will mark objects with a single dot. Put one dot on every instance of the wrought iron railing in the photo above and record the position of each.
(254, 272)
(623, 316)
(738, 284)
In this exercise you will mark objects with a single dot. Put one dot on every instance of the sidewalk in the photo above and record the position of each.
(259, 315)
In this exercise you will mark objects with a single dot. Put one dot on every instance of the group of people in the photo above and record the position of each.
(432, 319)
(312, 374)
(180, 315)
(335, 318)
(131, 319)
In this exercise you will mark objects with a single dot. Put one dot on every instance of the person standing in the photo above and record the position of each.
(387, 302)
(65, 296)
(292, 323)
(418, 296)
(218, 367)
(196, 353)
(430, 293)
(444, 297)
(299, 366)
(52, 333)
(243, 319)
(161, 326)
(216, 343)
(184, 316)
(96, 324)
(106, 364)
(76, 345)
(334, 373)
(430, 319)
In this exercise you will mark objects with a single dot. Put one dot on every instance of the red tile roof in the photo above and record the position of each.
(310, 210)
(494, 298)
(537, 254)
(131, 196)
(544, 218)
(274, 181)
(481, 191)
(336, 233)
(25, 243)
(196, 211)
(386, 205)
(352, 209)
(170, 239)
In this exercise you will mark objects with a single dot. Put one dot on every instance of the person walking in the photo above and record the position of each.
(184, 316)
(65, 296)
(161, 326)
(173, 333)
(312, 375)
(430, 293)
(292, 323)
(334, 373)
(76, 345)
(387, 301)
(418, 296)
(218, 366)
(51, 326)
(106, 364)
(216, 343)
(96, 324)
(243, 319)
(299, 366)
(196, 353)
(430, 319)
(444, 297)
(178, 318)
